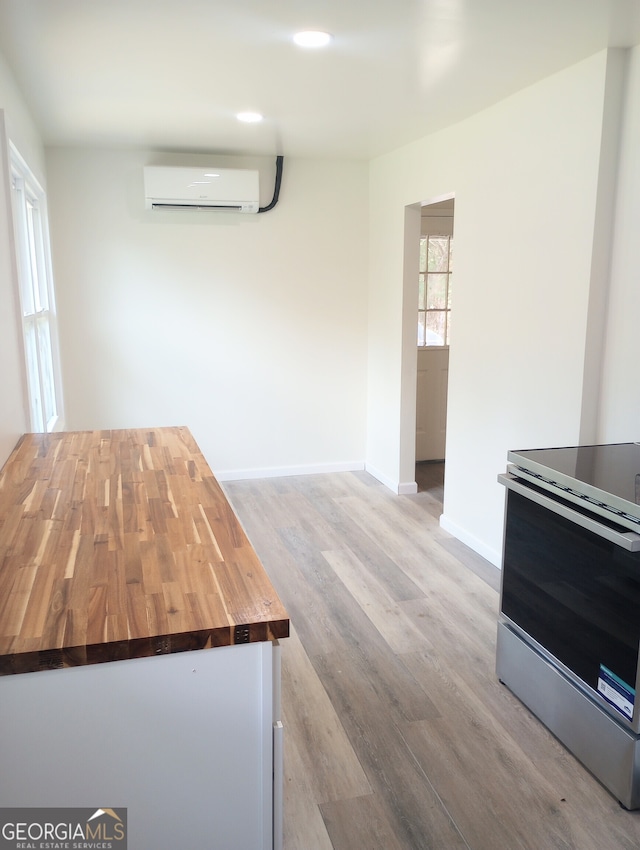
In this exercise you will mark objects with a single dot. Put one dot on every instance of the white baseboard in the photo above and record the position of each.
(401, 488)
(283, 471)
(471, 541)
(407, 488)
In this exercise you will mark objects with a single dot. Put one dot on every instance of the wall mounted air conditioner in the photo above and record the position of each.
(177, 187)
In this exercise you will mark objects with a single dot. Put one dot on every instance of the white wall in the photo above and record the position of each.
(251, 330)
(15, 124)
(21, 127)
(526, 182)
(620, 398)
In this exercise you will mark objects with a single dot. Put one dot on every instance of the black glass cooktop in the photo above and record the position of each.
(610, 473)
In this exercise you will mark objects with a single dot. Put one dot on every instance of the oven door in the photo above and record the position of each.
(571, 588)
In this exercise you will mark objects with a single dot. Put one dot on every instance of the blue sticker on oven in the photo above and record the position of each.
(616, 692)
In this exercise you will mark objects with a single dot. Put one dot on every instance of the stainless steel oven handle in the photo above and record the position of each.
(627, 540)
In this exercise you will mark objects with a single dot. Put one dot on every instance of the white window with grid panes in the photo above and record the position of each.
(434, 290)
(37, 305)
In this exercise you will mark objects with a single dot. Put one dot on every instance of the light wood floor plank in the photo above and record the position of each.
(398, 735)
(385, 614)
(359, 823)
(331, 768)
(304, 825)
(404, 796)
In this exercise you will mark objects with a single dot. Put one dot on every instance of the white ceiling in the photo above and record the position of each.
(171, 74)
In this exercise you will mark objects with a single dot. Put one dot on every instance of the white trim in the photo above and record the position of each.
(400, 488)
(407, 488)
(471, 541)
(283, 471)
(26, 190)
(6, 165)
(382, 478)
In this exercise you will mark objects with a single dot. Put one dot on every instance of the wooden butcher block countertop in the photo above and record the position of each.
(121, 544)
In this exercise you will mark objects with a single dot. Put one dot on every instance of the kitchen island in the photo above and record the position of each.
(139, 664)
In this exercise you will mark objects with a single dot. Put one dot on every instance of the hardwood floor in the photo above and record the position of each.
(398, 735)
(430, 479)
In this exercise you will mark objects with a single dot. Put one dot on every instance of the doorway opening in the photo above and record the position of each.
(433, 328)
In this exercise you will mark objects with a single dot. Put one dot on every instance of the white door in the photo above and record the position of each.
(431, 405)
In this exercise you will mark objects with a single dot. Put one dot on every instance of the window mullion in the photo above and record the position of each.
(434, 271)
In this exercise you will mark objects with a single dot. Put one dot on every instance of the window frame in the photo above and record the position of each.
(425, 273)
(36, 297)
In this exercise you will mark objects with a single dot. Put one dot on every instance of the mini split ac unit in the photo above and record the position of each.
(171, 187)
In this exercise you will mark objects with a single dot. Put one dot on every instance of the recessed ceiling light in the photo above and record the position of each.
(312, 38)
(249, 117)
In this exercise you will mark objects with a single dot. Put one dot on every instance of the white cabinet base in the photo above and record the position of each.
(184, 741)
